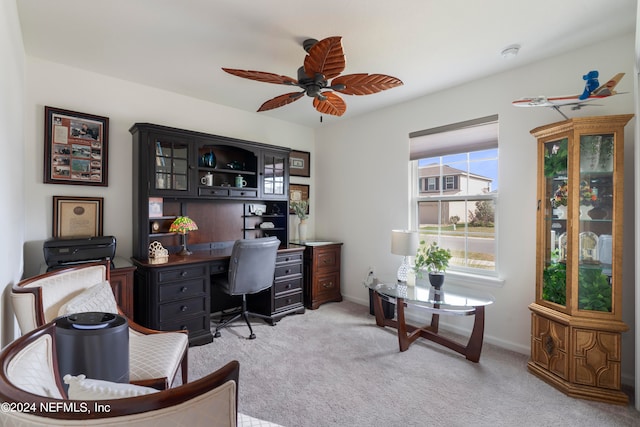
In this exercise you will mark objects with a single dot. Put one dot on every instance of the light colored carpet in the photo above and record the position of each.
(334, 367)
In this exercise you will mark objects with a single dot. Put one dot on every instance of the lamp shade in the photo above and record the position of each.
(182, 225)
(404, 242)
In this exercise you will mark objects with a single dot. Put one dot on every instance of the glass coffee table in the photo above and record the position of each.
(449, 300)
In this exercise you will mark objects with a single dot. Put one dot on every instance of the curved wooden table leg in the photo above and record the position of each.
(474, 346)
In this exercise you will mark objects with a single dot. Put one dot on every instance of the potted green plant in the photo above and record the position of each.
(434, 260)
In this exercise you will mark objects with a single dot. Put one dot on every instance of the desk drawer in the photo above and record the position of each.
(192, 324)
(182, 273)
(328, 259)
(328, 283)
(288, 270)
(287, 285)
(182, 308)
(289, 258)
(213, 191)
(183, 289)
(288, 301)
(218, 267)
(243, 193)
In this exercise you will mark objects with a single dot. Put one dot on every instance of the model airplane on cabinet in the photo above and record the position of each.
(591, 92)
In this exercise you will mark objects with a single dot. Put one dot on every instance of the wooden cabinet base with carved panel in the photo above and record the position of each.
(578, 356)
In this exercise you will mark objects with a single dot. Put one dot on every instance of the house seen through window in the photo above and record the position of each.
(455, 191)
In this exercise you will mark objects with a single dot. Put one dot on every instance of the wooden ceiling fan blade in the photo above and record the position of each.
(280, 101)
(333, 105)
(325, 57)
(262, 76)
(365, 84)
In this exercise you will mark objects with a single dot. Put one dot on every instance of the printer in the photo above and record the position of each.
(66, 251)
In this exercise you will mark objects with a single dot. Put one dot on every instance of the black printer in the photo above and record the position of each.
(66, 251)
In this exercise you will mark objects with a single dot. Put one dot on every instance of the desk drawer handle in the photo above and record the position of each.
(328, 285)
(183, 274)
(183, 289)
(184, 327)
(183, 308)
(288, 285)
(287, 271)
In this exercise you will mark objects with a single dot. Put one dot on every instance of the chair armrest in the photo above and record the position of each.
(162, 401)
(144, 330)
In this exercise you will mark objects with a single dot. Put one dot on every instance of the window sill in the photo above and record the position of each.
(467, 279)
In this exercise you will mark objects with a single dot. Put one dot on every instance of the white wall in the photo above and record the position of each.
(360, 206)
(11, 161)
(125, 103)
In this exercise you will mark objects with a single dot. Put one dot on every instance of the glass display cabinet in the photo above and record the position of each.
(576, 321)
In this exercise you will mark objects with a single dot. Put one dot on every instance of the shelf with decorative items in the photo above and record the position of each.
(227, 171)
(265, 220)
(577, 313)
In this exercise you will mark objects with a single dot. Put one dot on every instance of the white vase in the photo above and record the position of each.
(584, 209)
(302, 231)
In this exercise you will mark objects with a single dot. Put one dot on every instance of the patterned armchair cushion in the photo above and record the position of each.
(33, 370)
(97, 298)
(83, 388)
(155, 355)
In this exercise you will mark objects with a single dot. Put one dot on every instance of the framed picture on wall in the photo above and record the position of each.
(299, 163)
(75, 147)
(77, 216)
(298, 193)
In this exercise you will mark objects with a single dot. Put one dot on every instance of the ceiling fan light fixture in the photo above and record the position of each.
(510, 51)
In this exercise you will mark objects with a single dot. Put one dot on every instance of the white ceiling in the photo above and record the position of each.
(180, 45)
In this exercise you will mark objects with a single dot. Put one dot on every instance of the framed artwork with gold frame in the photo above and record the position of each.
(77, 216)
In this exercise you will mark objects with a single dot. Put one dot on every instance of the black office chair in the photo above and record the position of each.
(251, 269)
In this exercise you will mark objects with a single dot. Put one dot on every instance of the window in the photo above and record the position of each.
(455, 191)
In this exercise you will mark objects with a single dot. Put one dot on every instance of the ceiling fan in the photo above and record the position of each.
(324, 61)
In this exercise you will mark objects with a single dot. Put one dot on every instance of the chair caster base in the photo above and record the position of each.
(217, 334)
(252, 336)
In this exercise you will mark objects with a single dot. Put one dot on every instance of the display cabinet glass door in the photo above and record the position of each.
(554, 206)
(171, 166)
(273, 183)
(596, 222)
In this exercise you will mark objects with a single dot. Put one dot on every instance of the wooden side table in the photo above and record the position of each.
(321, 273)
(121, 281)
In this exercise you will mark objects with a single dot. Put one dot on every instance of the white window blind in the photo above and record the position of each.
(470, 135)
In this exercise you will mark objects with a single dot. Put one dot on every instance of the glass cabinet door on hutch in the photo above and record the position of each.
(577, 315)
(170, 166)
(274, 174)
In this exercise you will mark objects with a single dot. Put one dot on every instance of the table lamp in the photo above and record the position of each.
(405, 243)
(182, 225)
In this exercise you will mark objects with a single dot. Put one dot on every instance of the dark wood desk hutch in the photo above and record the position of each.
(179, 172)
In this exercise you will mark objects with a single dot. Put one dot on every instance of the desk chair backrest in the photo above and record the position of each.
(252, 265)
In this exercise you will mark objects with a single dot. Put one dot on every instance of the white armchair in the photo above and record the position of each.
(32, 395)
(154, 356)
